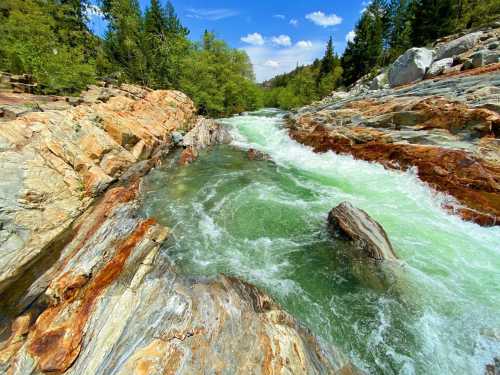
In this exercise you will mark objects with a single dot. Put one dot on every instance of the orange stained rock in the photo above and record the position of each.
(56, 338)
(474, 182)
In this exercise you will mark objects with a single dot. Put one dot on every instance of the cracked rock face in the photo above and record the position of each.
(56, 162)
(111, 303)
(447, 127)
(85, 287)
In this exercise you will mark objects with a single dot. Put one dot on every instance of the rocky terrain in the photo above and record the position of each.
(443, 122)
(84, 287)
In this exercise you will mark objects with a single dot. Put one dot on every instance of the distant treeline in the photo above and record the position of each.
(385, 30)
(50, 39)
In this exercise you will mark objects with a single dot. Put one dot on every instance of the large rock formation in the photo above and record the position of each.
(447, 127)
(56, 162)
(85, 287)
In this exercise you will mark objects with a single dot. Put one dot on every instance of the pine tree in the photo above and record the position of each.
(431, 20)
(328, 61)
(173, 24)
(124, 39)
(155, 20)
(366, 52)
(399, 30)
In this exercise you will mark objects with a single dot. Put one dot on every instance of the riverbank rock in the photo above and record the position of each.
(368, 236)
(411, 66)
(56, 163)
(109, 302)
(447, 127)
(458, 46)
(205, 133)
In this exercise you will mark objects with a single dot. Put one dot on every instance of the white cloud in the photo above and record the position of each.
(269, 61)
(304, 44)
(254, 39)
(325, 20)
(272, 64)
(92, 10)
(350, 36)
(211, 14)
(282, 40)
(294, 22)
(279, 16)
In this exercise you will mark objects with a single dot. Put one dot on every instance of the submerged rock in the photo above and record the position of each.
(254, 154)
(493, 368)
(367, 235)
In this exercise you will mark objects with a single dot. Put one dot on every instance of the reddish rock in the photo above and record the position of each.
(472, 181)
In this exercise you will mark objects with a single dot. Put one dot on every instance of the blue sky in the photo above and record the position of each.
(276, 34)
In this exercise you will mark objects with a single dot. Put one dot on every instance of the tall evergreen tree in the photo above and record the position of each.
(155, 20)
(367, 50)
(399, 32)
(431, 20)
(124, 39)
(173, 24)
(328, 61)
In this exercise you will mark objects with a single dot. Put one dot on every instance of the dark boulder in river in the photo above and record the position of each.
(367, 234)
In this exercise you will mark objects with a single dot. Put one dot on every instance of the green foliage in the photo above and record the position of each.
(367, 49)
(49, 40)
(306, 83)
(219, 79)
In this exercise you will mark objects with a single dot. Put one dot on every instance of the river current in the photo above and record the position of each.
(265, 222)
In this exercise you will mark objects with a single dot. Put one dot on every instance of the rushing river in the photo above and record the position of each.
(265, 222)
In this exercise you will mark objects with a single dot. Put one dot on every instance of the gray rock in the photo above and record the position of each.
(177, 138)
(458, 46)
(438, 67)
(493, 45)
(367, 234)
(379, 82)
(485, 57)
(411, 66)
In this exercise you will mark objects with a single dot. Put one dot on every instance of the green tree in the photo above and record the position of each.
(328, 61)
(49, 40)
(399, 27)
(124, 40)
(366, 52)
(431, 20)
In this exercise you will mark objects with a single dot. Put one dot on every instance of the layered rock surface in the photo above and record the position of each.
(447, 127)
(85, 286)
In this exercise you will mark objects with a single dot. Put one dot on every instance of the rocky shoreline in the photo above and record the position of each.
(447, 127)
(84, 288)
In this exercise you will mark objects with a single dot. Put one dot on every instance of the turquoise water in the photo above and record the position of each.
(264, 221)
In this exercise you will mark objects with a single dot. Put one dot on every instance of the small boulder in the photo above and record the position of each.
(458, 46)
(411, 66)
(485, 57)
(438, 67)
(379, 82)
(356, 225)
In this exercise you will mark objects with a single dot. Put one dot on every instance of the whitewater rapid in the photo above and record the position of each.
(264, 221)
